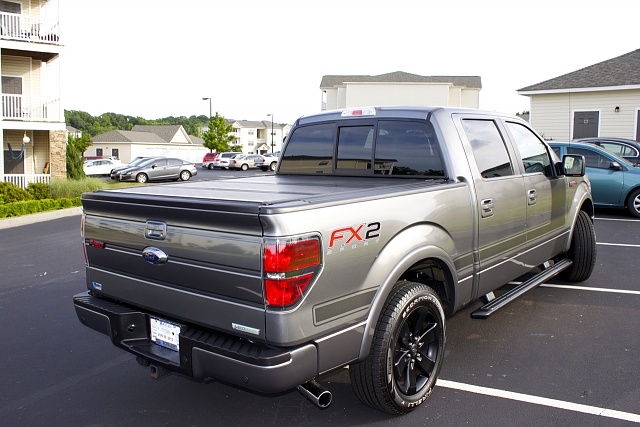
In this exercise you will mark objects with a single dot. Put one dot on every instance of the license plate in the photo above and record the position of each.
(165, 334)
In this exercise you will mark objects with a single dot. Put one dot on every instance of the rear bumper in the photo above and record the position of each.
(203, 353)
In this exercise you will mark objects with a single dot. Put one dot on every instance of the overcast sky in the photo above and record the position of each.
(159, 58)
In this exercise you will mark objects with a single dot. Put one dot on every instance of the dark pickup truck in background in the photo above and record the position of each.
(379, 223)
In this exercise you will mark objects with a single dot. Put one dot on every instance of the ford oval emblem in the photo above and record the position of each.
(154, 255)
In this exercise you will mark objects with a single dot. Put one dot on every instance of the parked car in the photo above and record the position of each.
(615, 182)
(115, 173)
(208, 164)
(222, 160)
(625, 148)
(209, 157)
(245, 162)
(159, 168)
(100, 167)
(88, 158)
(269, 161)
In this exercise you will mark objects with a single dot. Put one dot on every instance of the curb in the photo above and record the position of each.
(39, 217)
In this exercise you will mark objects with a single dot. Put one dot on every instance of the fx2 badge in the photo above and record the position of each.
(354, 237)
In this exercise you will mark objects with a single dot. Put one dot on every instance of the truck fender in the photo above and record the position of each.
(412, 245)
(581, 201)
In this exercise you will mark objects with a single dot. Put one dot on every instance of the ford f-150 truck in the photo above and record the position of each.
(378, 224)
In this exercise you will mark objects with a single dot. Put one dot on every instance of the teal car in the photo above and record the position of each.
(615, 182)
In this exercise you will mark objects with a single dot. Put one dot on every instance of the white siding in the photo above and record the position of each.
(25, 68)
(470, 98)
(397, 94)
(552, 115)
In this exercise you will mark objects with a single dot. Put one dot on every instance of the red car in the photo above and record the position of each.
(209, 157)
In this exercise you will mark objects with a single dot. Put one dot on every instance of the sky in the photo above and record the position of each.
(159, 58)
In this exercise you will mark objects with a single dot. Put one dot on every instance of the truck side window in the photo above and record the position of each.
(488, 147)
(309, 150)
(533, 152)
(407, 148)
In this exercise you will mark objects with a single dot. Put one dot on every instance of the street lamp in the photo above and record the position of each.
(271, 115)
(210, 111)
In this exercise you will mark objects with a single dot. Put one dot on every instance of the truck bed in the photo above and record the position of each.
(213, 236)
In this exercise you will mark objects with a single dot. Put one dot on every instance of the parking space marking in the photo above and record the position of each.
(626, 245)
(537, 400)
(586, 288)
(618, 219)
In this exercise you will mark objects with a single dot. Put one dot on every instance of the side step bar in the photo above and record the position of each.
(488, 309)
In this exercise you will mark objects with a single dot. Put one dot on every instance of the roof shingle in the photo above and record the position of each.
(401, 77)
(623, 70)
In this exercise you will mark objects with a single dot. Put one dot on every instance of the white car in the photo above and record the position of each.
(100, 167)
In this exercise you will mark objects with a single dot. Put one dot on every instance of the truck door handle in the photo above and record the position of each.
(486, 208)
(531, 197)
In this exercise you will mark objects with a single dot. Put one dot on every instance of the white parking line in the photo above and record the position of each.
(585, 288)
(626, 245)
(618, 219)
(536, 400)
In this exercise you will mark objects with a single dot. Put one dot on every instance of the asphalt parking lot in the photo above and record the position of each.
(563, 354)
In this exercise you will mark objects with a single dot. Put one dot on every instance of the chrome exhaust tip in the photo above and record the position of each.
(318, 395)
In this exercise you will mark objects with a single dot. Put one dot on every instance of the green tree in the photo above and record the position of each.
(75, 152)
(218, 136)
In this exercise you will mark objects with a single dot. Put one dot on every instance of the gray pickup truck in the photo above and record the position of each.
(379, 223)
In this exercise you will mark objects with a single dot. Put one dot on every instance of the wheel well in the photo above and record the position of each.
(626, 201)
(435, 274)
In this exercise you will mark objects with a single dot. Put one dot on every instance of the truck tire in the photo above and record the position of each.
(582, 251)
(634, 203)
(406, 353)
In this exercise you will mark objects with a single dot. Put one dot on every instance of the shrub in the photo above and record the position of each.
(35, 206)
(69, 188)
(39, 191)
(12, 193)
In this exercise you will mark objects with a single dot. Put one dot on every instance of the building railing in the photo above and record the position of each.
(23, 180)
(30, 108)
(16, 26)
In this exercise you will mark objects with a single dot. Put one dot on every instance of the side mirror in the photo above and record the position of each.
(615, 166)
(573, 165)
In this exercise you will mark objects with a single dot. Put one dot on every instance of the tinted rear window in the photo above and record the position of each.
(393, 147)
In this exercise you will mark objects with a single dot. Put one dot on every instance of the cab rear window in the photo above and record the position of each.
(369, 147)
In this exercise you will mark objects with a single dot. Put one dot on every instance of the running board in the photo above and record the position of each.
(499, 302)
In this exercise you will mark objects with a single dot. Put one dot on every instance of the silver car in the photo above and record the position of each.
(223, 159)
(245, 162)
(160, 168)
(269, 161)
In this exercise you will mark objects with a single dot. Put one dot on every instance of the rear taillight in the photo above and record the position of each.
(289, 266)
(84, 247)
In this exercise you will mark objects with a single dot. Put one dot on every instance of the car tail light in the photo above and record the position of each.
(84, 247)
(289, 266)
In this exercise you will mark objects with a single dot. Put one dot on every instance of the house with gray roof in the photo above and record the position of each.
(148, 141)
(399, 88)
(601, 100)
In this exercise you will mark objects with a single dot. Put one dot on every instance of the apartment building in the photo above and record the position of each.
(32, 122)
(259, 137)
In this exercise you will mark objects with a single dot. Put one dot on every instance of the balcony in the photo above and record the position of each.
(15, 26)
(30, 108)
